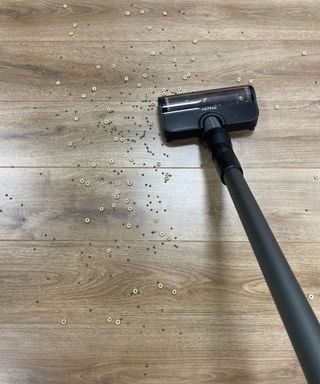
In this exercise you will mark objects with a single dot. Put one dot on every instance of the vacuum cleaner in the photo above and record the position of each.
(211, 115)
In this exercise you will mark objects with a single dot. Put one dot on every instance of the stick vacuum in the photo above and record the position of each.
(211, 115)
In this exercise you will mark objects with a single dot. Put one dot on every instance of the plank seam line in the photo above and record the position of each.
(317, 40)
(68, 241)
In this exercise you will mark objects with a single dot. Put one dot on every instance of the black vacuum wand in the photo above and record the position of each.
(211, 115)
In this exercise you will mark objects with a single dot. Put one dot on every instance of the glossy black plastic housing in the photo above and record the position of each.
(182, 115)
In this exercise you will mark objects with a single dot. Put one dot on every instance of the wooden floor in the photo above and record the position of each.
(162, 288)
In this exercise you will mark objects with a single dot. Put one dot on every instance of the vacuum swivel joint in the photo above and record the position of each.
(218, 140)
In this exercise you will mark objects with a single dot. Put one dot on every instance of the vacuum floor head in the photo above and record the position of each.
(183, 115)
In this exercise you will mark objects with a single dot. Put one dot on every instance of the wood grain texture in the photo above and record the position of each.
(210, 20)
(280, 72)
(33, 133)
(222, 326)
(206, 333)
(54, 203)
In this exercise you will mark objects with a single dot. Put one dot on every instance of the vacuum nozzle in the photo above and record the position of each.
(183, 115)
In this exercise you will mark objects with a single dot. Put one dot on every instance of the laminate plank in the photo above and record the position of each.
(36, 134)
(29, 71)
(220, 326)
(185, 20)
(192, 205)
